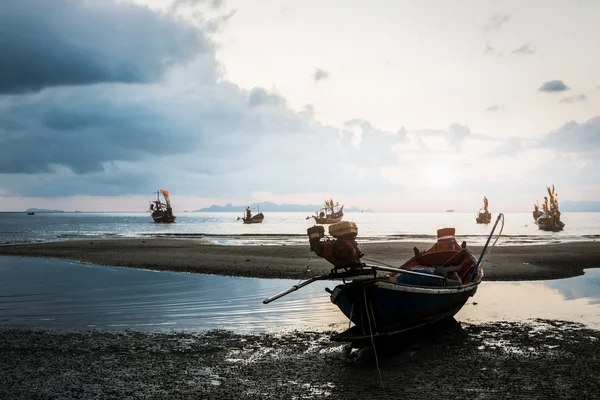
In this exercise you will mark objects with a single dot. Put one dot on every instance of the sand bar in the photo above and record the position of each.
(504, 263)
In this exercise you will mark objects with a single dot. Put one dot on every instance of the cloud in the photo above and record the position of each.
(195, 4)
(458, 134)
(573, 99)
(75, 43)
(216, 24)
(524, 49)
(553, 86)
(510, 147)
(180, 126)
(494, 108)
(320, 75)
(575, 137)
(496, 21)
(489, 50)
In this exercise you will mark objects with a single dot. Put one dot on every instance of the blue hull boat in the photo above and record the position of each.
(378, 307)
(430, 287)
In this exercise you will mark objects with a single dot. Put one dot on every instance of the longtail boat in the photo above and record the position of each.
(536, 211)
(330, 214)
(162, 212)
(549, 220)
(484, 216)
(431, 286)
(252, 219)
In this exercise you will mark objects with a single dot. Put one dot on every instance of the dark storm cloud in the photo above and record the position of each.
(49, 43)
(553, 86)
(203, 137)
(83, 131)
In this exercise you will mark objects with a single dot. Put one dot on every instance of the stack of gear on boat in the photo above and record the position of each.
(342, 251)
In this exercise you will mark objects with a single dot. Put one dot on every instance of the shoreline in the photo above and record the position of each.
(526, 262)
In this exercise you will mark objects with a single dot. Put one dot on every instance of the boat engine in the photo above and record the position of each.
(341, 251)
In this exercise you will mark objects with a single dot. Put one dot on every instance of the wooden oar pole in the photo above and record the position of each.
(500, 215)
(403, 271)
(293, 289)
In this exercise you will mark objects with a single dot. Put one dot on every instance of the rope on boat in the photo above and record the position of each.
(373, 341)
(483, 257)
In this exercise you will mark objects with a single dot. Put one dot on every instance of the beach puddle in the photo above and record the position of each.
(64, 295)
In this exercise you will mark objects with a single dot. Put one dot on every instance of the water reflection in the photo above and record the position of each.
(573, 299)
(58, 294)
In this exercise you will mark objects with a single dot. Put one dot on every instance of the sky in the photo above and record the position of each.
(397, 106)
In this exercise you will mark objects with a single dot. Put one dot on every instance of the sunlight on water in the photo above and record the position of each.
(58, 294)
(573, 299)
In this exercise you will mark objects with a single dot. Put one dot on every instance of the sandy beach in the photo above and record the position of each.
(504, 262)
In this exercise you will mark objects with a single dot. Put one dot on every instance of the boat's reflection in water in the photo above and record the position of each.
(58, 294)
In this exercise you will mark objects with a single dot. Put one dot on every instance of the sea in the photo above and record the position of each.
(285, 228)
(66, 295)
(47, 293)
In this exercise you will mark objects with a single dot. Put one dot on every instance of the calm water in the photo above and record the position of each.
(281, 228)
(63, 295)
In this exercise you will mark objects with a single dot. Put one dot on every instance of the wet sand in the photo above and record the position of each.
(504, 263)
(541, 360)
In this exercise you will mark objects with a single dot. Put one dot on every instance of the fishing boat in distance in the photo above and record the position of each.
(484, 216)
(536, 211)
(431, 286)
(549, 220)
(252, 219)
(162, 212)
(330, 214)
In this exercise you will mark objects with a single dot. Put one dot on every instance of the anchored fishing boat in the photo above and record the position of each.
(484, 216)
(330, 214)
(252, 219)
(549, 219)
(162, 212)
(536, 211)
(432, 286)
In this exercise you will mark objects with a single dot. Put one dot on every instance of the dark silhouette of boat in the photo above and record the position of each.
(430, 287)
(31, 213)
(549, 219)
(252, 219)
(330, 214)
(162, 212)
(484, 216)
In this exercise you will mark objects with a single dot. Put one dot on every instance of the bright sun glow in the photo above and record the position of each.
(439, 174)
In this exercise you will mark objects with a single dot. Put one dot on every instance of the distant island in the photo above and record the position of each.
(268, 206)
(580, 206)
(43, 210)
